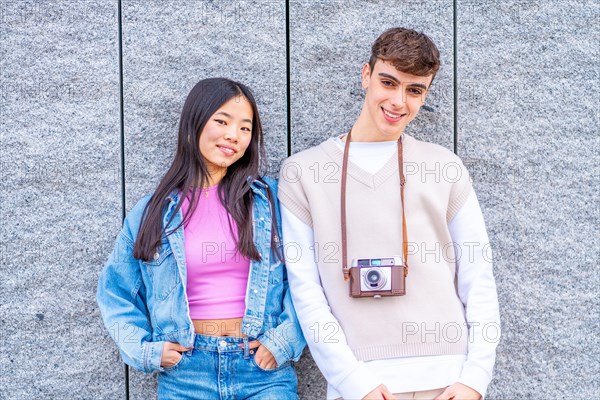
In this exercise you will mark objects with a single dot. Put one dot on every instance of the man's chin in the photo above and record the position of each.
(390, 134)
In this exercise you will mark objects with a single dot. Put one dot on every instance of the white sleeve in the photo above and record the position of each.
(477, 291)
(327, 342)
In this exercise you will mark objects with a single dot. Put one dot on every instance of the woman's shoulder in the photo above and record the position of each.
(139, 207)
(270, 182)
(264, 183)
(133, 218)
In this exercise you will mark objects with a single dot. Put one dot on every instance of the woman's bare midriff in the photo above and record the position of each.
(219, 327)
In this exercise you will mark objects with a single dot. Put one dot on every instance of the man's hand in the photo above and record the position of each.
(379, 393)
(458, 391)
(171, 354)
(263, 356)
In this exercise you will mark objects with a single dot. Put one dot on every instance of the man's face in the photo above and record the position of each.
(393, 99)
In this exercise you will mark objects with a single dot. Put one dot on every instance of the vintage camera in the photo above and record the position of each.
(377, 277)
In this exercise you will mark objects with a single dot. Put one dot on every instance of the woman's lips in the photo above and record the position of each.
(228, 151)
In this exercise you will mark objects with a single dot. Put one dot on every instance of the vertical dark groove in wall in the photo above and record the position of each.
(122, 144)
(455, 73)
(288, 73)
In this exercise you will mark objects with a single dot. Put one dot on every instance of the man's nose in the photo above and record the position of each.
(398, 99)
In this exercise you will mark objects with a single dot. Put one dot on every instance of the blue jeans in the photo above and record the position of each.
(224, 368)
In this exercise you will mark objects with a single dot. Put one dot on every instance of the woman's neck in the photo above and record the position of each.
(214, 179)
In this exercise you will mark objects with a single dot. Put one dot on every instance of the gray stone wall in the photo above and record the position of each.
(527, 123)
(60, 198)
(532, 146)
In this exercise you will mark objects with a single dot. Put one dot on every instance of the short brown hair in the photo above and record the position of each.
(407, 50)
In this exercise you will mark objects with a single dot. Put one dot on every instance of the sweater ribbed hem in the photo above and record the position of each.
(378, 352)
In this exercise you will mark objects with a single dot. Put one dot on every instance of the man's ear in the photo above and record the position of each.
(424, 96)
(366, 75)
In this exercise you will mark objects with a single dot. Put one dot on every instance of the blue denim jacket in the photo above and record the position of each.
(143, 304)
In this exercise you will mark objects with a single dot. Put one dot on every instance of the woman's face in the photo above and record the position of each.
(226, 136)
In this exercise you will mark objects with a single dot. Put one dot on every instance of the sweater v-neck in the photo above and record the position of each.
(372, 181)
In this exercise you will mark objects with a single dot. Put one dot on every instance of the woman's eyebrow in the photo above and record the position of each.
(229, 116)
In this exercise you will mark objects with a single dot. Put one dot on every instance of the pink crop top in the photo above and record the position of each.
(217, 275)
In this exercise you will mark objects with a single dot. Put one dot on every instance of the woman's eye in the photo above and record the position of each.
(220, 121)
(246, 129)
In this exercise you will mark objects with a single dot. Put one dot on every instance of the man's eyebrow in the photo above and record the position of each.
(229, 116)
(417, 85)
(411, 84)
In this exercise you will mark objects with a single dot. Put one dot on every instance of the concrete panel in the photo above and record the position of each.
(330, 42)
(528, 126)
(60, 197)
(171, 45)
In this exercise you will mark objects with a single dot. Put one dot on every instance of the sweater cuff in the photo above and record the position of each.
(358, 383)
(476, 378)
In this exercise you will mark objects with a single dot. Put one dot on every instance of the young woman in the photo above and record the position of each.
(195, 287)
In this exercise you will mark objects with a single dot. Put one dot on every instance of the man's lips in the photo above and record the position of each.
(390, 116)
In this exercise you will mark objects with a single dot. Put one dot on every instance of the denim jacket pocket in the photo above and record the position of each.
(162, 270)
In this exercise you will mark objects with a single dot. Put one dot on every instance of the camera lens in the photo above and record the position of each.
(373, 277)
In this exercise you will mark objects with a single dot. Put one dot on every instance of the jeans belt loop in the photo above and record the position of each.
(246, 348)
(191, 350)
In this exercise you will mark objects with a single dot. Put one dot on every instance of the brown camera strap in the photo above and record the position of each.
(343, 206)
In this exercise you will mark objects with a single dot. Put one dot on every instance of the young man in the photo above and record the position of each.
(439, 339)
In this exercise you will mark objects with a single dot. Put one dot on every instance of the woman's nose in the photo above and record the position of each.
(231, 134)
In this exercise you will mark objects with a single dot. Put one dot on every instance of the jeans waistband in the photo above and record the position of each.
(222, 344)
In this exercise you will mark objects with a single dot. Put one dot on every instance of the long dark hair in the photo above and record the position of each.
(189, 172)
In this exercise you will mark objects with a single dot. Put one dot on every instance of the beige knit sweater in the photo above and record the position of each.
(429, 319)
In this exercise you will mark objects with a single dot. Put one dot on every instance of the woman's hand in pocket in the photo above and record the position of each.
(171, 354)
(263, 356)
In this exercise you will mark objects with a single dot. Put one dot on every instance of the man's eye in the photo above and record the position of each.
(415, 91)
(387, 83)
